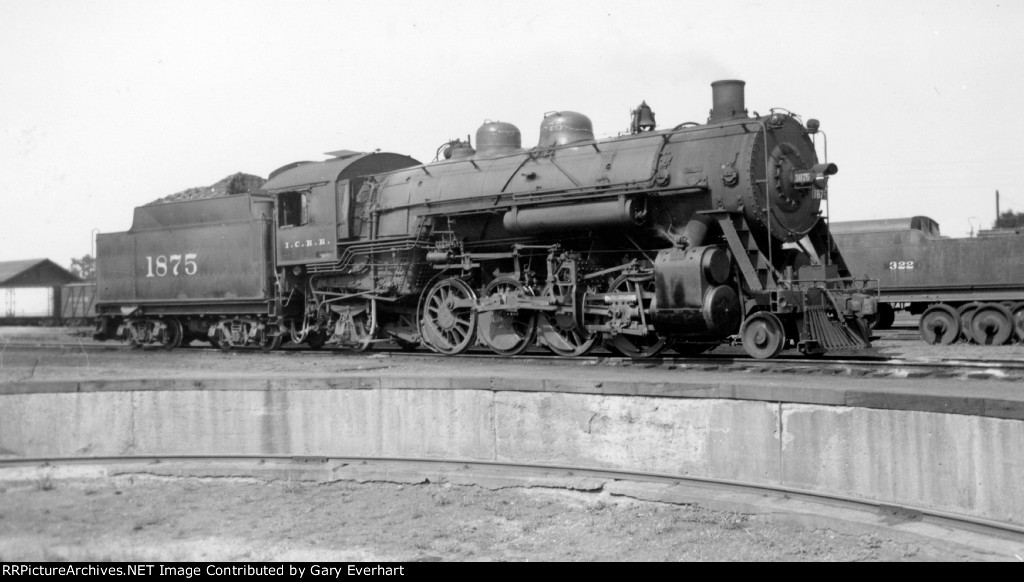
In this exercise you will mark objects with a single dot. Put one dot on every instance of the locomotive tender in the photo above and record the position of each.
(642, 242)
(969, 289)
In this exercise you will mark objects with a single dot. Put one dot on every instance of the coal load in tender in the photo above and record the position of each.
(240, 183)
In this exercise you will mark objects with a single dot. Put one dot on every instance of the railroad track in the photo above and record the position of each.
(899, 334)
(838, 364)
(382, 469)
(874, 366)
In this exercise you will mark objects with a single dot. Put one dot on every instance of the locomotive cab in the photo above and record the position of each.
(317, 204)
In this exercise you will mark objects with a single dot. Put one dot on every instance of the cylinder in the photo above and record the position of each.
(727, 101)
(717, 265)
(717, 316)
(620, 213)
(722, 311)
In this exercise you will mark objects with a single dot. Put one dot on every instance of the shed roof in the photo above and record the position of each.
(48, 270)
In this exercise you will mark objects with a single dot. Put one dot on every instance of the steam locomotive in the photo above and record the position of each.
(681, 238)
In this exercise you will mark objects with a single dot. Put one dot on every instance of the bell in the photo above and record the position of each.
(643, 119)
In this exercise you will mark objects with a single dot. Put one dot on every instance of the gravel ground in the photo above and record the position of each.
(188, 519)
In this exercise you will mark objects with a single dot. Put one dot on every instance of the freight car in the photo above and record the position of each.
(76, 303)
(969, 289)
(69, 304)
(642, 242)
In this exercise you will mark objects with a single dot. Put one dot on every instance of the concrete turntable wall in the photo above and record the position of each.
(953, 462)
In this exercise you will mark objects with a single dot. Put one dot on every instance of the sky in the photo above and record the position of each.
(108, 105)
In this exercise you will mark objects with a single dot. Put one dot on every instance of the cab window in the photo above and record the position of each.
(293, 209)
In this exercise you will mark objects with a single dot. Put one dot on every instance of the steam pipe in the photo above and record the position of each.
(696, 230)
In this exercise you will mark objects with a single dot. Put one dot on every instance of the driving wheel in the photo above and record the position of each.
(637, 346)
(506, 332)
(447, 318)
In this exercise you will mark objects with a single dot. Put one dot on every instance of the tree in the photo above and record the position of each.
(85, 268)
(1009, 219)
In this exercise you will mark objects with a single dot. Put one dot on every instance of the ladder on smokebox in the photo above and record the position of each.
(756, 269)
(821, 239)
(759, 274)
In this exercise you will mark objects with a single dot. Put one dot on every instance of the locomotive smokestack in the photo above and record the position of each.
(727, 101)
